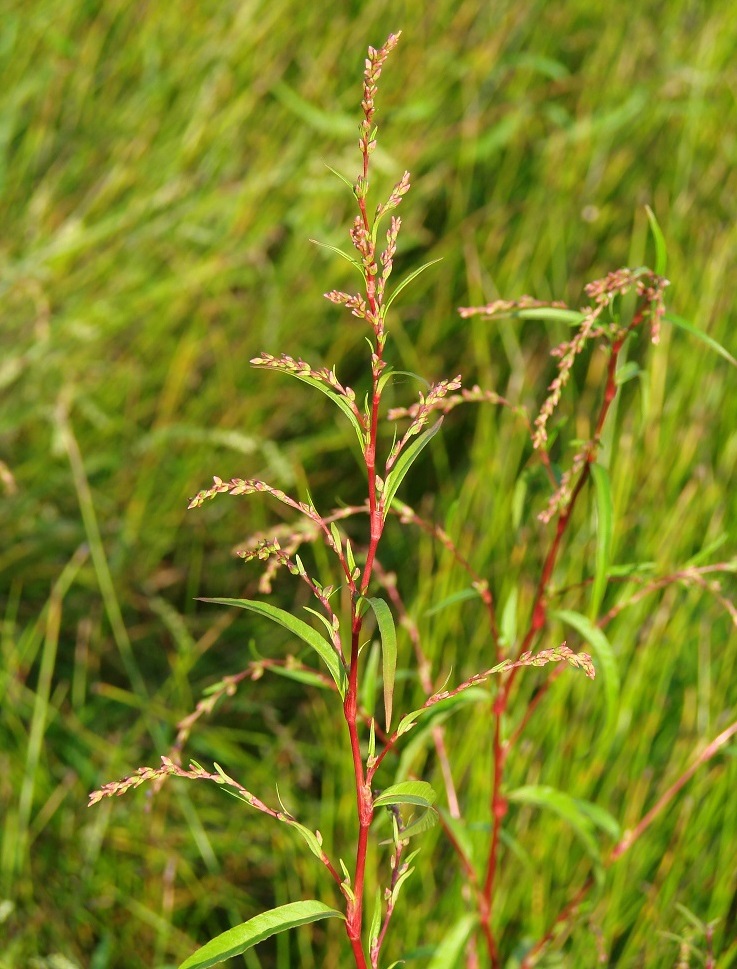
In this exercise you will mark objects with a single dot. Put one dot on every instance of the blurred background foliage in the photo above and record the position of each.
(162, 170)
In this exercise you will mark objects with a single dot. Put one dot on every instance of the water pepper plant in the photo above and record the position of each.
(620, 305)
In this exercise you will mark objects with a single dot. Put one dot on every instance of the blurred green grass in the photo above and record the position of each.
(161, 172)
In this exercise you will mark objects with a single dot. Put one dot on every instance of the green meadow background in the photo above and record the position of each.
(162, 170)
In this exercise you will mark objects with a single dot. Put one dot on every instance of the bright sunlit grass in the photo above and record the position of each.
(162, 171)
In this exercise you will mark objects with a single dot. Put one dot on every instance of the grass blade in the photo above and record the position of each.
(604, 655)
(604, 528)
(447, 953)
(568, 809)
(700, 335)
(661, 256)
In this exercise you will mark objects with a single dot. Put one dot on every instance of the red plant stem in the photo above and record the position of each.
(364, 802)
(499, 804)
(364, 798)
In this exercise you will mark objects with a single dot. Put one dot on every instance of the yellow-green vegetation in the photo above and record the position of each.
(162, 170)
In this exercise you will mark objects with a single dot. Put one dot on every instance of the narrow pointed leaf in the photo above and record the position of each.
(376, 918)
(407, 280)
(346, 181)
(388, 633)
(336, 398)
(576, 813)
(661, 256)
(700, 335)
(339, 252)
(404, 462)
(605, 659)
(306, 633)
(552, 313)
(245, 936)
(447, 953)
(461, 596)
(604, 528)
(309, 836)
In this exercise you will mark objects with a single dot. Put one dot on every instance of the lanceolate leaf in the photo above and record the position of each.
(404, 462)
(661, 256)
(388, 632)
(604, 655)
(237, 940)
(408, 792)
(310, 838)
(700, 335)
(604, 518)
(578, 814)
(553, 313)
(447, 953)
(336, 398)
(306, 633)
(339, 252)
(407, 280)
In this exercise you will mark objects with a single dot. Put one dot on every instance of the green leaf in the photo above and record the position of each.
(700, 335)
(336, 398)
(661, 256)
(388, 632)
(459, 830)
(255, 930)
(461, 596)
(404, 462)
(626, 372)
(427, 820)
(407, 280)
(604, 528)
(369, 680)
(339, 252)
(376, 918)
(309, 836)
(552, 313)
(300, 676)
(306, 633)
(346, 181)
(447, 953)
(407, 792)
(582, 816)
(604, 655)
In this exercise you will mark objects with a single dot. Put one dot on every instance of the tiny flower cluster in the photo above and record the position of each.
(562, 495)
(300, 368)
(503, 307)
(603, 292)
(249, 486)
(143, 774)
(554, 655)
(288, 536)
(372, 73)
(473, 395)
